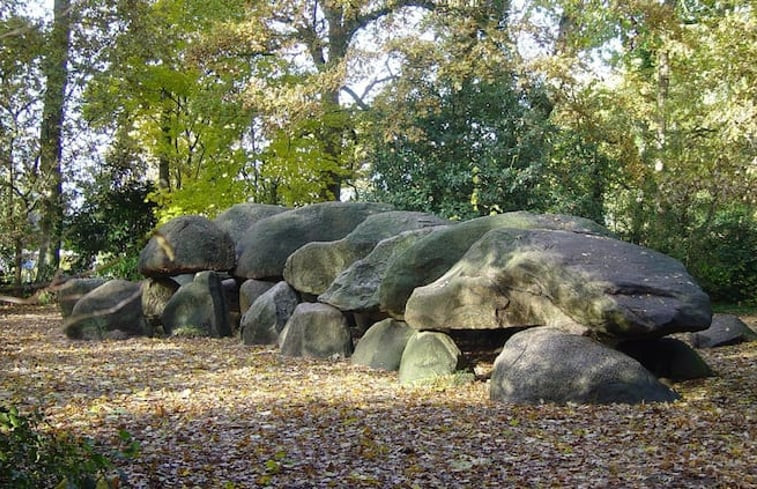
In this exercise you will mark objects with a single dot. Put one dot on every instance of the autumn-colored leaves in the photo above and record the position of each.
(214, 413)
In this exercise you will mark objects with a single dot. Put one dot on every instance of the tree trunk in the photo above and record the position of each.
(331, 135)
(164, 163)
(18, 262)
(51, 135)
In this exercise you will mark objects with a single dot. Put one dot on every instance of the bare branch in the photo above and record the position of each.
(358, 101)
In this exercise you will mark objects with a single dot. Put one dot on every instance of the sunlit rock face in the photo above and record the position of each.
(312, 268)
(187, 244)
(357, 287)
(199, 306)
(316, 330)
(429, 258)
(578, 282)
(267, 244)
(237, 219)
(112, 310)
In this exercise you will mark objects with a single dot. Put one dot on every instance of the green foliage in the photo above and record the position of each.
(722, 256)
(34, 455)
(22, 46)
(480, 149)
(114, 221)
(169, 103)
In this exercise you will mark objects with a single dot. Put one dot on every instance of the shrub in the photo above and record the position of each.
(723, 259)
(34, 455)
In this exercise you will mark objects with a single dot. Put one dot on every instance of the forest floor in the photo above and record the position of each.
(216, 413)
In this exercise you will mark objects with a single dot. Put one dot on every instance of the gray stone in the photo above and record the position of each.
(313, 267)
(112, 310)
(357, 287)
(156, 292)
(74, 289)
(231, 288)
(580, 283)
(428, 355)
(183, 279)
(382, 345)
(199, 306)
(725, 329)
(266, 318)
(429, 258)
(268, 243)
(250, 290)
(187, 244)
(316, 330)
(237, 219)
(548, 365)
(667, 358)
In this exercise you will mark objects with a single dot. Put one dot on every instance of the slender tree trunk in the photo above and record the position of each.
(663, 88)
(51, 135)
(18, 261)
(164, 163)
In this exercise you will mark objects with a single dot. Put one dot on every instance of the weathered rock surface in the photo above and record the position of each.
(268, 243)
(548, 365)
(187, 244)
(313, 267)
(572, 281)
(725, 329)
(199, 306)
(316, 330)
(667, 358)
(357, 287)
(382, 345)
(156, 292)
(113, 310)
(430, 257)
(428, 355)
(74, 289)
(237, 219)
(250, 290)
(231, 288)
(263, 322)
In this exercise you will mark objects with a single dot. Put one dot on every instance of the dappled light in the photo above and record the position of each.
(216, 413)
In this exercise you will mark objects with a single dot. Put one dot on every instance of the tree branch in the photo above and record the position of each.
(392, 6)
(358, 101)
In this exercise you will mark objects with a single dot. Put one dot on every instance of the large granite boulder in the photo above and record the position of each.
(430, 257)
(357, 287)
(429, 355)
(577, 282)
(74, 289)
(725, 329)
(237, 219)
(313, 267)
(381, 347)
(667, 358)
(316, 330)
(263, 322)
(113, 310)
(547, 365)
(198, 308)
(187, 244)
(268, 243)
(156, 292)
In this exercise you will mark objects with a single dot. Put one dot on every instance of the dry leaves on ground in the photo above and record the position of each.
(216, 413)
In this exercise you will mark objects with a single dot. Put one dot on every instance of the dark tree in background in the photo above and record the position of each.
(114, 223)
